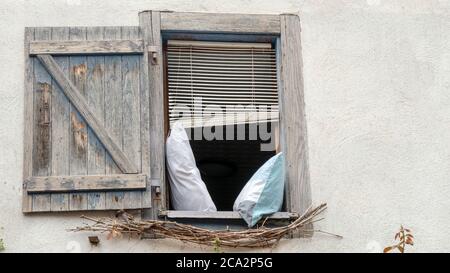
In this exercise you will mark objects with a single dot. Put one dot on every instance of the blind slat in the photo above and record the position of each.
(222, 78)
(230, 95)
(220, 50)
(217, 65)
(218, 61)
(198, 87)
(230, 74)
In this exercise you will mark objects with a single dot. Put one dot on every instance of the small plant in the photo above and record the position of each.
(216, 244)
(404, 238)
(2, 244)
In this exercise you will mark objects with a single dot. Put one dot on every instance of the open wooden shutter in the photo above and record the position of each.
(221, 83)
(86, 120)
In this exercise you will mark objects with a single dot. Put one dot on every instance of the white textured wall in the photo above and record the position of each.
(377, 92)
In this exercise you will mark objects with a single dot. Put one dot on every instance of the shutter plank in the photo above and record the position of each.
(144, 26)
(78, 127)
(113, 112)
(27, 200)
(60, 117)
(96, 100)
(131, 114)
(42, 129)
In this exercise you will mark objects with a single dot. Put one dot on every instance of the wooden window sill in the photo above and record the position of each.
(179, 214)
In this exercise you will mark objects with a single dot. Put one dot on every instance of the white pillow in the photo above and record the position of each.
(188, 191)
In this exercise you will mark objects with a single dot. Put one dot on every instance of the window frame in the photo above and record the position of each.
(212, 37)
(286, 28)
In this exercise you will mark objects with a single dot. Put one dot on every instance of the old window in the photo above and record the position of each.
(96, 114)
(225, 94)
(283, 35)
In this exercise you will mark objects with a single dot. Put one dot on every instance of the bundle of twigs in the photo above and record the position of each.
(257, 237)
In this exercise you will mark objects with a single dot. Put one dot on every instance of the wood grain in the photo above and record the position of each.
(220, 22)
(293, 120)
(74, 183)
(220, 215)
(157, 127)
(113, 112)
(60, 119)
(131, 114)
(42, 126)
(78, 127)
(90, 47)
(144, 27)
(28, 133)
(87, 74)
(150, 23)
(96, 100)
(80, 103)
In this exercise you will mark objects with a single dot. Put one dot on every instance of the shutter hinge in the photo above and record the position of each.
(153, 54)
(156, 186)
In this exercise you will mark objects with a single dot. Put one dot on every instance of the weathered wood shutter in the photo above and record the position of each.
(86, 120)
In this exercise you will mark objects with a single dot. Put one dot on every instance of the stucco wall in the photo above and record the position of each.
(377, 92)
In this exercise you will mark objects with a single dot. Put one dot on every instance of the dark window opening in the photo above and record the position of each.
(227, 165)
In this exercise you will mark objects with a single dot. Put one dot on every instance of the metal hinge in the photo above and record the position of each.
(156, 187)
(153, 54)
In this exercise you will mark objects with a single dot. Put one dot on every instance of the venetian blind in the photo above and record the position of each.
(221, 83)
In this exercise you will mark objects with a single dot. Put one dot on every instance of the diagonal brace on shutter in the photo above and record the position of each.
(80, 103)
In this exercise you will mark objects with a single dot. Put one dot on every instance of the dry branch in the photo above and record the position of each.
(251, 238)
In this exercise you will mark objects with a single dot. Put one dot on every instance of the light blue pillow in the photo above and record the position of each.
(263, 193)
